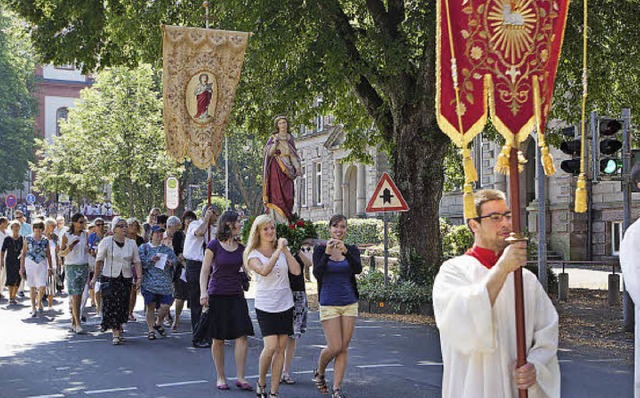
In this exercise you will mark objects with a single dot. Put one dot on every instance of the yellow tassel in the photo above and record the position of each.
(547, 161)
(469, 205)
(581, 195)
(502, 164)
(521, 161)
(470, 173)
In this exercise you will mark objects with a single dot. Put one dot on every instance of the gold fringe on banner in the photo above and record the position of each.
(502, 164)
(469, 205)
(581, 195)
(470, 173)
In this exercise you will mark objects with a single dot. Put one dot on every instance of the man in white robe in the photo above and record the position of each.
(473, 300)
(630, 264)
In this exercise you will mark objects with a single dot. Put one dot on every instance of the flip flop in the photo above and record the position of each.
(244, 386)
(223, 386)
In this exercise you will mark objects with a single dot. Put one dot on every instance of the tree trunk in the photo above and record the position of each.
(420, 152)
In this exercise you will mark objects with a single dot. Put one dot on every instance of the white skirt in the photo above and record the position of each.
(36, 273)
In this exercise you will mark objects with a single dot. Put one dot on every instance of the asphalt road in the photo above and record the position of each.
(41, 358)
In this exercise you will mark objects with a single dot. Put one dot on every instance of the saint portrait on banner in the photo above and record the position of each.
(201, 95)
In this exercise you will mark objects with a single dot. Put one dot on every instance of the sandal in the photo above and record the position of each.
(151, 335)
(286, 379)
(116, 340)
(321, 382)
(160, 330)
(261, 391)
(273, 394)
(337, 393)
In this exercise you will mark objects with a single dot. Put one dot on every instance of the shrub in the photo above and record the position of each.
(455, 241)
(371, 288)
(359, 230)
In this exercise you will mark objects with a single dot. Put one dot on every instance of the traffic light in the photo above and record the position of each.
(571, 146)
(609, 156)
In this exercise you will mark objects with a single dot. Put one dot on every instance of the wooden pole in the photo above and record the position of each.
(514, 194)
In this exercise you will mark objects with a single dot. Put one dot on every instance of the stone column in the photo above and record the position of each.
(338, 199)
(361, 198)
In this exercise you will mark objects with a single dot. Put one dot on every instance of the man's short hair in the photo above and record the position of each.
(486, 195)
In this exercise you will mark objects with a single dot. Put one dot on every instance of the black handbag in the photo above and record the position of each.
(244, 278)
(200, 330)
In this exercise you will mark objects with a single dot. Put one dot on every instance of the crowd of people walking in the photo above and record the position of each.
(200, 262)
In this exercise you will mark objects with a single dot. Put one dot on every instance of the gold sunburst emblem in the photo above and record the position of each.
(511, 25)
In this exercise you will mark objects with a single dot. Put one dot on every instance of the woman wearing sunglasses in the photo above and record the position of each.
(116, 259)
(75, 250)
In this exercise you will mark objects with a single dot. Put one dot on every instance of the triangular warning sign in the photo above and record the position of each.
(386, 197)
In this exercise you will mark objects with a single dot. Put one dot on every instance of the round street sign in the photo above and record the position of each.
(172, 193)
(11, 201)
(31, 198)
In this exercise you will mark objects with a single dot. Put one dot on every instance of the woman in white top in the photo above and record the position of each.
(272, 261)
(75, 251)
(117, 258)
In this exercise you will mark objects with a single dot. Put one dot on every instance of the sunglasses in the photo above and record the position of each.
(121, 225)
(81, 222)
(38, 227)
(99, 225)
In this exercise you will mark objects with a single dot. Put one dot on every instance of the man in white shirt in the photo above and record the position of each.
(630, 264)
(473, 301)
(196, 239)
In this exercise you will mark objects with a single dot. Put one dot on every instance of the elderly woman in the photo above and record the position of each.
(157, 270)
(117, 258)
(75, 250)
(272, 261)
(10, 259)
(49, 227)
(36, 265)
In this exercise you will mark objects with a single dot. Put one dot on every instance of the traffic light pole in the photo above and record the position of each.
(627, 304)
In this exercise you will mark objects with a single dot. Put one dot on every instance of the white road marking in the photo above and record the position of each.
(48, 396)
(429, 363)
(181, 383)
(110, 390)
(382, 365)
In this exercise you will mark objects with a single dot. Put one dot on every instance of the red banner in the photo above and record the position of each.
(500, 55)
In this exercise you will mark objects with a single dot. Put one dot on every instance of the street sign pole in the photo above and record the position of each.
(386, 249)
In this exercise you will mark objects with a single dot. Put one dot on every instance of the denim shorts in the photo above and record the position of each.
(156, 298)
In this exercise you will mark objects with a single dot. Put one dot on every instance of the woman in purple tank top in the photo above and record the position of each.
(221, 291)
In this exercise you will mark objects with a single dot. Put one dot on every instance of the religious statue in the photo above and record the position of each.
(203, 93)
(281, 167)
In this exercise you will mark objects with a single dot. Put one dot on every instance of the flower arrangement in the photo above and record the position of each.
(295, 232)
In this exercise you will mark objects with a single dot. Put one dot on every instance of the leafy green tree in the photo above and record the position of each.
(17, 105)
(114, 136)
(372, 62)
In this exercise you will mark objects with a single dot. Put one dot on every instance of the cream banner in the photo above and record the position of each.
(201, 70)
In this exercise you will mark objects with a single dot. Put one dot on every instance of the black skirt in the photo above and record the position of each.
(115, 306)
(228, 318)
(275, 322)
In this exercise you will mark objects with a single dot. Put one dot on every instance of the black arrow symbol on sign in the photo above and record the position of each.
(386, 196)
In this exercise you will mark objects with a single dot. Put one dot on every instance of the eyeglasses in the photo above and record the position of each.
(496, 217)
(81, 221)
(99, 225)
(305, 249)
(121, 225)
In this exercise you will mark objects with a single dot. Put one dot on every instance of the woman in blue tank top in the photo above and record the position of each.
(335, 266)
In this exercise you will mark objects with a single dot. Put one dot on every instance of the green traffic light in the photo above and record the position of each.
(611, 166)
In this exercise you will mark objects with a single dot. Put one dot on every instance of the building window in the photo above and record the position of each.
(616, 237)
(303, 130)
(317, 184)
(61, 114)
(303, 187)
(320, 123)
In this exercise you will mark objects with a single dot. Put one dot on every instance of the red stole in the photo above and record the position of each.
(487, 257)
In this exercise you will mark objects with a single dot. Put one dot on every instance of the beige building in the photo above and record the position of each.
(330, 185)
